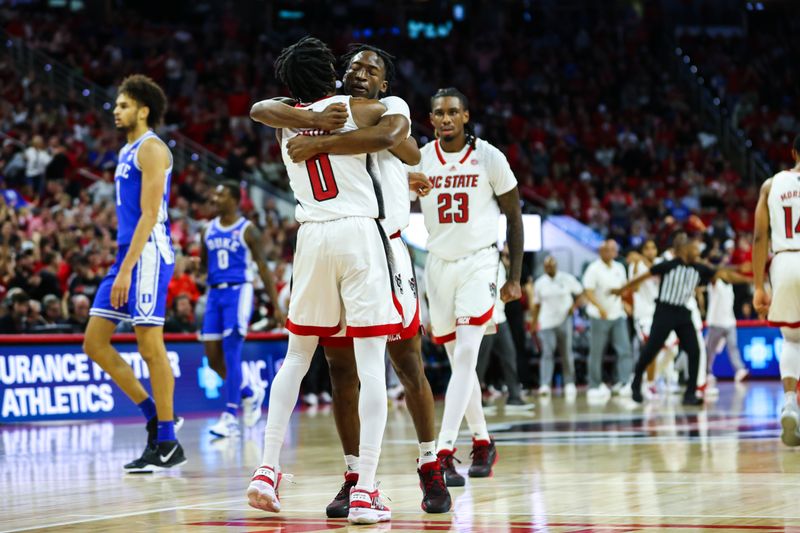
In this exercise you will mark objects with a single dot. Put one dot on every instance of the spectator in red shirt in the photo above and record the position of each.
(183, 282)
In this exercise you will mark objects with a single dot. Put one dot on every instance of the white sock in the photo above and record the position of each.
(283, 395)
(427, 452)
(447, 440)
(476, 420)
(372, 408)
(352, 463)
(463, 359)
(790, 398)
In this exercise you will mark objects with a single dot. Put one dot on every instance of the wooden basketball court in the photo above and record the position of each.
(563, 468)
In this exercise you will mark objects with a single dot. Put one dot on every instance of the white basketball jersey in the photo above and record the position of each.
(644, 299)
(329, 187)
(461, 212)
(394, 176)
(784, 211)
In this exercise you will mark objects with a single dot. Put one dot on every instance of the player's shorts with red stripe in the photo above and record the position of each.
(341, 278)
(463, 291)
(405, 293)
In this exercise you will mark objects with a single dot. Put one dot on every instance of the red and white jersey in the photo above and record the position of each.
(461, 212)
(330, 187)
(644, 299)
(784, 211)
(394, 176)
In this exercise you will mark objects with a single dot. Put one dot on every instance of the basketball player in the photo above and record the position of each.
(644, 305)
(472, 185)
(369, 72)
(230, 246)
(136, 285)
(340, 263)
(776, 217)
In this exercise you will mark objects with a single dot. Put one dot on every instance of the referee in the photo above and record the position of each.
(680, 277)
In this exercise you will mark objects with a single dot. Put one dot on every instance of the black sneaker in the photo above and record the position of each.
(692, 400)
(152, 437)
(636, 389)
(163, 455)
(340, 506)
(484, 456)
(435, 496)
(451, 477)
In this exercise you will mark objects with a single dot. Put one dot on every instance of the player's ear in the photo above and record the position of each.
(384, 87)
(143, 112)
(466, 116)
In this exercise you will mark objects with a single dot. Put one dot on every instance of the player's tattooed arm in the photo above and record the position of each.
(389, 133)
(510, 206)
(278, 114)
(761, 299)
(252, 237)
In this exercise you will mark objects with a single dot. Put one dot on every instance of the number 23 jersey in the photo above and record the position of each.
(329, 187)
(461, 212)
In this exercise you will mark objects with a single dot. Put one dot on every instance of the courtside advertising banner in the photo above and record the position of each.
(50, 378)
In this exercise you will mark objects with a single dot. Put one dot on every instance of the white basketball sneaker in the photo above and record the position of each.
(226, 426)
(367, 507)
(251, 407)
(790, 422)
(262, 493)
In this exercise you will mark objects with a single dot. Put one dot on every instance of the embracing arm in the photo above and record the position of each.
(407, 151)
(632, 284)
(388, 133)
(277, 113)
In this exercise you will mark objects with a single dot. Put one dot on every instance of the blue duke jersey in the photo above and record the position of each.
(147, 297)
(128, 182)
(230, 275)
(229, 258)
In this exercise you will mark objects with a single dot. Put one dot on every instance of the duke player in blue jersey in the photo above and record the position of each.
(136, 285)
(229, 250)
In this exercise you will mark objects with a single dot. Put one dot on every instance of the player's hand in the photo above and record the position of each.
(419, 183)
(761, 302)
(603, 313)
(302, 148)
(331, 118)
(280, 318)
(510, 291)
(120, 289)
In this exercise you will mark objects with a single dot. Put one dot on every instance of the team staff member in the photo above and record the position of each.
(555, 296)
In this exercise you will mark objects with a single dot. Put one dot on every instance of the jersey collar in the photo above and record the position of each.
(440, 155)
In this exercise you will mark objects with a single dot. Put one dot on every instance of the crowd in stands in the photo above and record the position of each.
(592, 123)
(753, 75)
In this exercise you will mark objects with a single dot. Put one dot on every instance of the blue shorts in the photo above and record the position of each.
(227, 310)
(147, 299)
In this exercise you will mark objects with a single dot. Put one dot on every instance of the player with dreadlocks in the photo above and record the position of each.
(337, 199)
(472, 185)
(368, 73)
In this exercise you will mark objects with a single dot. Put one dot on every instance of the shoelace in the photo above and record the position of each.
(434, 480)
(344, 492)
(480, 454)
(448, 461)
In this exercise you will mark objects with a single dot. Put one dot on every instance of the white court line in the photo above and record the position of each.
(99, 518)
(456, 515)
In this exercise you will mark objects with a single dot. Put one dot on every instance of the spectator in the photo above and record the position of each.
(182, 319)
(45, 281)
(83, 280)
(52, 313)
(35, 318)
(36, 160)
(16, 318)
(183, 282)
(79, 315)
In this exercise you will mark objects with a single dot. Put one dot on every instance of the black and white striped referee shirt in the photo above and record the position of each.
(679, 280)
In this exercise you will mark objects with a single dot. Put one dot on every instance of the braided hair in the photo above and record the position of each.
(469, 128)
(307, 69)
(387, 58)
